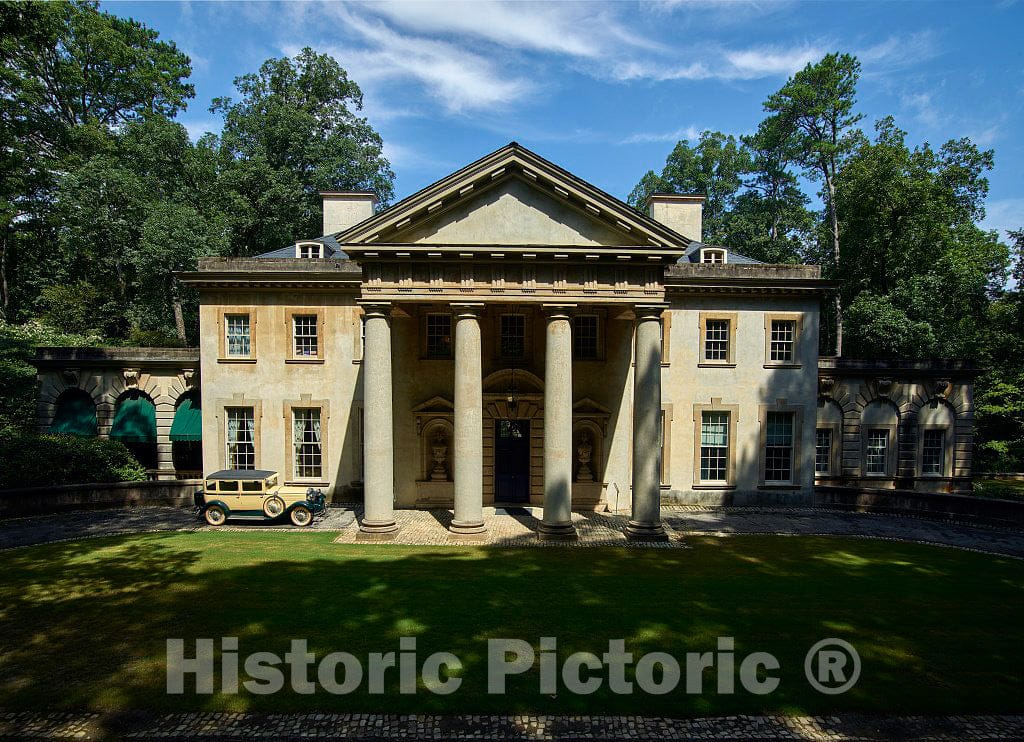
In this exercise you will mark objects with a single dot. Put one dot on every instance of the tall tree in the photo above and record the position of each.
(918, 273)
(294, 132)
(815, 111)
(713, 167)
(69, 74)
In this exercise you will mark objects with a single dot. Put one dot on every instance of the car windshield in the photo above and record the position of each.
(271, 481)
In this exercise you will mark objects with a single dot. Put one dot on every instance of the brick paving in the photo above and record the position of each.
(215, 726)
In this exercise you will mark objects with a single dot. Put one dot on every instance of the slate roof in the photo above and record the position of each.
(692, 254)
(332, 250)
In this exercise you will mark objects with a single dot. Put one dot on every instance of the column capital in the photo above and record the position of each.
(558, 311)
(467, 309)
(375, 308)
(645, 312)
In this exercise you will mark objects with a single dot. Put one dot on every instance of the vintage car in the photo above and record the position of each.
(254, 494)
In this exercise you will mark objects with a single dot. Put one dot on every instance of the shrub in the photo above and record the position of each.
(30, 460)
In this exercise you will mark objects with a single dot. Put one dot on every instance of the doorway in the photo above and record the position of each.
(511, 461)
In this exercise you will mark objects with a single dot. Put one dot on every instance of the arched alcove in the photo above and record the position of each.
(135, 425)
(879, 427)
(74, 414)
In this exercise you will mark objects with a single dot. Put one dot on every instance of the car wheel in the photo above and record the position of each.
(301, 516)
(273, 506)
(215, 515)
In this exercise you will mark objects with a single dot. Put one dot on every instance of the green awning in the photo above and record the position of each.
(135, 421)
(188, 421)
(76, 415)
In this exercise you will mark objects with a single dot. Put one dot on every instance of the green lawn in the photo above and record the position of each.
(84, 624)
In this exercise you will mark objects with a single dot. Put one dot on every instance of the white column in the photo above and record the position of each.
(557, 520)
(646, 525)
(468, 451)
(378, 433)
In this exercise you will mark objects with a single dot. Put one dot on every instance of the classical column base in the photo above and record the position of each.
(377, 530)
(638, 531)
(557, 532)
(471, 530)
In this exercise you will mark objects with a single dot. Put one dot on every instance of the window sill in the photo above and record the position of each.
(313, 361)
(783, 365)
(712, 364)
(437, 358)
(779, 486)
(708, 486)
(236, 360)
(357, 361)
(307, 483)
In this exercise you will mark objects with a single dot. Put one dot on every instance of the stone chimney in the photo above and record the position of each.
(681, 213)
(343, 209)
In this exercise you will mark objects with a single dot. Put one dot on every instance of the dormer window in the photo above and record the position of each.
(713, 255)
(309, 250)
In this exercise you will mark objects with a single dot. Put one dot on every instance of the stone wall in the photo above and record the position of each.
(45, 500)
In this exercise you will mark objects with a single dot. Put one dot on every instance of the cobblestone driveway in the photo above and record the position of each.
(595, 529)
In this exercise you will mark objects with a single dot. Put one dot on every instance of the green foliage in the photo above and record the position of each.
(17, 374)
(30, 460)
(293, 133)
(714, 168)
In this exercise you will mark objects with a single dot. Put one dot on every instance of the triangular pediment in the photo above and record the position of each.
(512, 197)
(513, 212)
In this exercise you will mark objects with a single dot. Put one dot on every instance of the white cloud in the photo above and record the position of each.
(462, 80)
(1003, 214)
(898, 51)
(691, 133)
(724, 64)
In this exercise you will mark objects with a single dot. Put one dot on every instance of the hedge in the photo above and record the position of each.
(31, 460)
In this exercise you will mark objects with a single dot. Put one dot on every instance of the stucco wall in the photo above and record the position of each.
(271, 381)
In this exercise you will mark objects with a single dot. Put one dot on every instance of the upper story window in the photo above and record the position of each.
(439, 336)
(309, 250)
(513, 335)
(716, 340)
(304, 335)
(238, 340)
(586, 336)
(713, 255)
(783, 340)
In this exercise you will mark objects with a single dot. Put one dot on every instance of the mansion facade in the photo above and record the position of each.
(512, 334)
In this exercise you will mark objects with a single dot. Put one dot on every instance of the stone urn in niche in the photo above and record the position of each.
(439, 451)
(584, 452)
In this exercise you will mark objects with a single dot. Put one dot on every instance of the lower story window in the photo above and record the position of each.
(714, 447)
(933, 450)
(823, 451)
(306, 439)
(878, 447)
(241, 438)
(778, 449)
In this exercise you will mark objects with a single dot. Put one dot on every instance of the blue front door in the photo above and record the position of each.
(511, 460)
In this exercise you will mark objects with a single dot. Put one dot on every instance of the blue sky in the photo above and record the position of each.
(606, 89)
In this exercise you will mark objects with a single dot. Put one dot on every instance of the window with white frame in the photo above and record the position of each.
(783, 340)
(304, 335)
(237, 337)
(716, 340)
(876, 456)
(512, 335)
(712, 256)
(439, 336)
(307, 443)
(309, 250)
(933, 451)
(586, 336)
(241, 438)
(823, 451)
(778, 448)
(714, 447)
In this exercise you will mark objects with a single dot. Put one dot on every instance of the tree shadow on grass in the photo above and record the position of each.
(85, 623)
